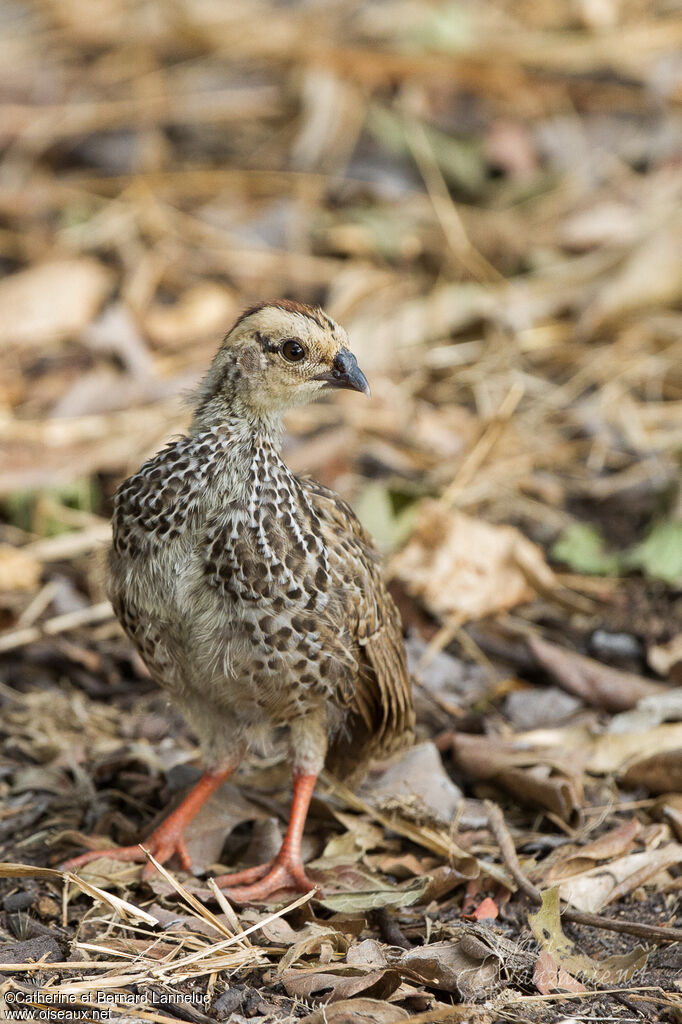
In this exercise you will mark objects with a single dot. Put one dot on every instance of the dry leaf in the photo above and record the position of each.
(207, 832)
(350, 846)
(203, 310)
(597, 684)
(312, 938)
(659, 773)
(358, 1011)
(597, 887)
(417, 774)
(460, 566)
(344, 982)
(614, 751)
(548, 976)
(572, 860)
(468, 968)
(664, 657)
(537, 777)
(51, 301)
(372, 899)
(546, 927)
(651, 276)
(19, 570)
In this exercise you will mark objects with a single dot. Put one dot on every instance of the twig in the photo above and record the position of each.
(655, 933)
(59, 624)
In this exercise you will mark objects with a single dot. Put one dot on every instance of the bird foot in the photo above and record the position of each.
(285, 872)
(164, 841)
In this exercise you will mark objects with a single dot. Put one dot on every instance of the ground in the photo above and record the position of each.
(488, 198)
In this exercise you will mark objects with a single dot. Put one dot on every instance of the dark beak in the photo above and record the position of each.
(345, 374)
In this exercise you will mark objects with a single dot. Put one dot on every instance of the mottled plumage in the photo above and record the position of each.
(254, 596)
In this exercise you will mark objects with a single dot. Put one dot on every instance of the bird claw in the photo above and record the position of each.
(266, 880)
(165, 841)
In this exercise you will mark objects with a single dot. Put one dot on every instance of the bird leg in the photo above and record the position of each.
(286, 870)
(169, 837)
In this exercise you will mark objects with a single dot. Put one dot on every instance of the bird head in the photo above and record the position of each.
(276, 356)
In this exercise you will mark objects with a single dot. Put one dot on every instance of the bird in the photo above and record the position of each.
(254, 596)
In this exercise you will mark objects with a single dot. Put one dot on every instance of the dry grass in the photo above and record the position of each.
(488, 197)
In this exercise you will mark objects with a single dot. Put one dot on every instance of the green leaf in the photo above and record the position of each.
(546, 927)
(660, 554)
(581, 547)
(460, 159)
(373, 899)
(375, 508)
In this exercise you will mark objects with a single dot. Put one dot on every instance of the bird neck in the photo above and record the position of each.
(220, 400)
(241, 424)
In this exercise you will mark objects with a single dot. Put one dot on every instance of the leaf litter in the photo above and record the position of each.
(487, 196)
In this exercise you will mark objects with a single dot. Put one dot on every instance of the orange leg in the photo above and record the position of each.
(286, 870)
(169, 837)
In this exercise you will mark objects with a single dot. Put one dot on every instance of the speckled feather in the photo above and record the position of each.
(255, 596)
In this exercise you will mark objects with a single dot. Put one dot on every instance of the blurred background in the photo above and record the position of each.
(485, 194)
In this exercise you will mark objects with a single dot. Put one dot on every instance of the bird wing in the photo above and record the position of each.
(381, 698)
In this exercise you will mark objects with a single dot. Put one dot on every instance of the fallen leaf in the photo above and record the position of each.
(659, 773)
(19, 570)
(51, 301)
(570, 861)
(548, 976)
(461, 566)
(538, 777)
(417, 774)
(350, 846)
(341, 983)
(546, 927)
(581, 547)
(311, 939)
(201, 311)
(597, 887)
(665, 657)
(650, 276)
(595, 683)
(617, 751)
(373, 899)
(660, 554)
(468, 967)
(358, 1011)
(650, 711)
(208, 831)
(487, 910)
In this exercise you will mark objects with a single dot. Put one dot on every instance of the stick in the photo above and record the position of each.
(655, 933)
(59, 624)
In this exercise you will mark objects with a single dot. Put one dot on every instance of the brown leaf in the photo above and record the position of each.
(312, 938)
(597, 684)
(548, 976)
(343, 983)
(651, 276)
(417, 773)
(51, 301)
(461, 566)
(533, 777)
(358, 1011)
(659, 773)
(614, 843)
(208, 831)
(19, 570)
(203, 310)
(468, 968)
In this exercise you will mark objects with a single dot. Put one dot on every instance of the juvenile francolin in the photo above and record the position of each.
(254, 596)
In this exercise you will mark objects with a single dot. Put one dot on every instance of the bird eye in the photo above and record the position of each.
(293, 351)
